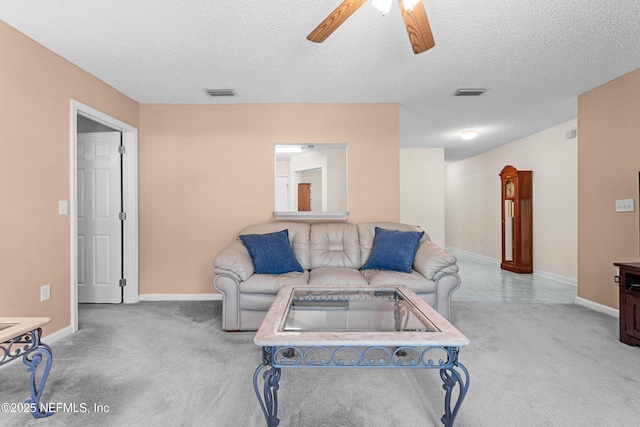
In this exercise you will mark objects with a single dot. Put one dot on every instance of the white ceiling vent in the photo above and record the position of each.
(469, 92)
(220, 92)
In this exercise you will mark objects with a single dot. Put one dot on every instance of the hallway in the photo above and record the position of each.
(484, 281)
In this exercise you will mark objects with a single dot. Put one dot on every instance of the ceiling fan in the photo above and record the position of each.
(413, 14)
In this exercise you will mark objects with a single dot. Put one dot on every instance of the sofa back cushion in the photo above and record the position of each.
(367, 232)
(298, 236)
(334, 244)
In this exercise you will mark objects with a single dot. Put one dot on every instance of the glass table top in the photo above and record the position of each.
(353, 310)
(12, 327)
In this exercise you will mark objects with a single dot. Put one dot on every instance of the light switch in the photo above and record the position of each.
(62, 207)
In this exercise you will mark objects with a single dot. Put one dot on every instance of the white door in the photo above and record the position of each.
(99, 226)
(282, 194)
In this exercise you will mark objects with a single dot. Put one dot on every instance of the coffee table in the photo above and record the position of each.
(357, 327)
(20, 337)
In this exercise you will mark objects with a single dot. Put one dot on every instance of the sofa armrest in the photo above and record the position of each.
(234, 260)
(433, 262)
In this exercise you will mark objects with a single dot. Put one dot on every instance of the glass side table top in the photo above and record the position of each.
(365, 315)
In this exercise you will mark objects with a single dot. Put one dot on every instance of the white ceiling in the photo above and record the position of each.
(535, 57)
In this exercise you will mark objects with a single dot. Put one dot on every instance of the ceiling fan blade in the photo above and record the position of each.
(334, 20)
(418, 27)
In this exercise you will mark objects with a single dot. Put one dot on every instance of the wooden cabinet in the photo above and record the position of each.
(629, 283)
(517, 220)
(304, 197)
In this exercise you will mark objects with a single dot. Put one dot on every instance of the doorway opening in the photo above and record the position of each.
(121, 194)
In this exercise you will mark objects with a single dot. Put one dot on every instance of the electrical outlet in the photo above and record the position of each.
(45, 292)
(624, 205)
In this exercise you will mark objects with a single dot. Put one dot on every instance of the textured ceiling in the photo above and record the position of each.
(535, 57)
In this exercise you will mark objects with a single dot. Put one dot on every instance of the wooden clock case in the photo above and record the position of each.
(517, 220)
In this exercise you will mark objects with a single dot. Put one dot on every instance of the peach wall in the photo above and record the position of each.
(608, 165)
(36, 89)
(207, 171)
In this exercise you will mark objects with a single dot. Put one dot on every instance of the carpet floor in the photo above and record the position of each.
(170, 364)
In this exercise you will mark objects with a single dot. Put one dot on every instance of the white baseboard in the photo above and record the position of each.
(58, 335)
(180, 297)
(473, 254)
(556, 277)
(598, 307)
(552, 276)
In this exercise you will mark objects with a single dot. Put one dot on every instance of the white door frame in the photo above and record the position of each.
(130, 194)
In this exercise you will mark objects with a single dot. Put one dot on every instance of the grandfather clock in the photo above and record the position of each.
(517, 220)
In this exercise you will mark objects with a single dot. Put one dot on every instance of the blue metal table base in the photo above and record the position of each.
(453, 374)
(32, 351)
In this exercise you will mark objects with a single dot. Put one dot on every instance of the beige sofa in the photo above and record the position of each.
(329, 253)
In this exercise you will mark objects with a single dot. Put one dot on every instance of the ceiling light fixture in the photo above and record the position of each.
(384, 6)
(288, 149)
(468, 135)
(409, 4)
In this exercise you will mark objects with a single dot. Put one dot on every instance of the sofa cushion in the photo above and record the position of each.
(367, 231)
(271, 283)
(271, 253)
(414, 280)
(298, 236)
(393, 250)
(336, 276)
(334, 245)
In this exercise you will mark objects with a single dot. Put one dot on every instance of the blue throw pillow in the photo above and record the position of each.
(271, 253)
(393, 250)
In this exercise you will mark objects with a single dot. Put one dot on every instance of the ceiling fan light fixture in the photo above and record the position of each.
(469, 134)
(409, 4)
(383, 6)
(413, 14)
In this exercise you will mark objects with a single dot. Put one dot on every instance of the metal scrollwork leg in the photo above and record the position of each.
(450, 378)
(32, 360)
(271, 377)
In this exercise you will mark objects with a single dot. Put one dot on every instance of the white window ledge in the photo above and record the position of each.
(311, 215)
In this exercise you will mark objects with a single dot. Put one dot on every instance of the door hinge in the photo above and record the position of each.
(121, 149)
(122, 216)
(123, 283)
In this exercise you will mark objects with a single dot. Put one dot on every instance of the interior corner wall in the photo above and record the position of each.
(608, 166)
(207, 171)
(473, 200)
(36, 89)
(422, 190)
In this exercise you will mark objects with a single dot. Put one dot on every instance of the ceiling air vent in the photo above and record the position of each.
(469, 92)
(220, 92)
